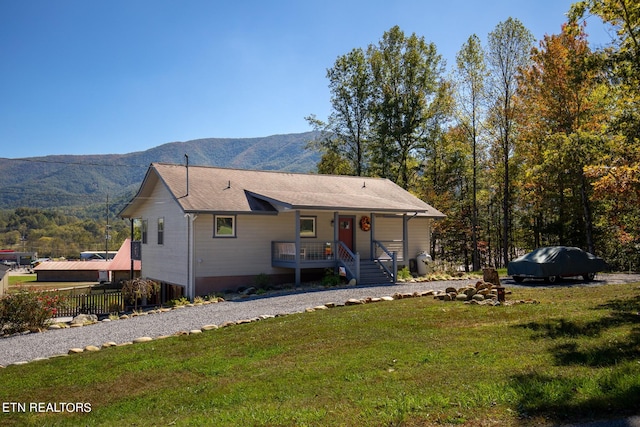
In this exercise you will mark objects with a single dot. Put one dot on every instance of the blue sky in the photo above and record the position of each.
(98, 77)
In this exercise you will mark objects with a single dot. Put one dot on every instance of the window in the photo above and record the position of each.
(307, 226)
(160, 231)
(224, 226)
(144, 229)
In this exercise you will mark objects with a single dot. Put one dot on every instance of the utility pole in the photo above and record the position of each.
(107, 236)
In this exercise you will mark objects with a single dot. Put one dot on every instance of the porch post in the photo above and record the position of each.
(372, 247)
(298, 243)
(405, 239)
(336, 237)
(131, 251)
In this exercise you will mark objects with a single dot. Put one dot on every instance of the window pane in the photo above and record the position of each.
(307, 227)
(144, 231)
(225, 226)
(160, 231)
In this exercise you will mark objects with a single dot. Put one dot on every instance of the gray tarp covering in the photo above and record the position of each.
(556, 261)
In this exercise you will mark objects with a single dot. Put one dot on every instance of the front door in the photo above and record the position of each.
(345, 233)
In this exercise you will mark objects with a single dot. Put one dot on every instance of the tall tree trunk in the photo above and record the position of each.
(475, 258)
(505, 207)
(588, 221)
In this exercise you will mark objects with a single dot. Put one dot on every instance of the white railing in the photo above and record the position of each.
(386, 255)
(309, 251)
(349, 260)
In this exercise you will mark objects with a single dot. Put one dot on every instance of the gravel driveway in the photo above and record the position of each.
(23, 348)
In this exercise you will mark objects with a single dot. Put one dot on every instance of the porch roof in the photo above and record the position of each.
(221, 190)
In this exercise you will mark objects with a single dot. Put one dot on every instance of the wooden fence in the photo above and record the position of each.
(92, 303)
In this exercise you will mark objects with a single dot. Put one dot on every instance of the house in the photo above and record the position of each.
(4, 279)
(119, 268)
(208, 229)
(70, 271)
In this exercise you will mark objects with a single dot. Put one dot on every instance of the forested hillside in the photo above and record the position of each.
(60, 205)
(77, 182)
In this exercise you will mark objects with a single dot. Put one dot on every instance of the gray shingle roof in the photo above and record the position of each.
(223, 190)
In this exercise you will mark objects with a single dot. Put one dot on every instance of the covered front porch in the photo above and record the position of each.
(342, 253)
(337, 256)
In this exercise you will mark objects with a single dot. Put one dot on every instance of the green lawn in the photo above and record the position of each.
(409, 362)
(23, 279)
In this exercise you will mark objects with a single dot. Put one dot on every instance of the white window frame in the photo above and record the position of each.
(161, 231)
(309, 233)
(216, 230)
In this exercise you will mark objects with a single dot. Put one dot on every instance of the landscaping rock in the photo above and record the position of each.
(209, 327)
(75, 350)
(142, 339)
(84, 319)
(91, 348)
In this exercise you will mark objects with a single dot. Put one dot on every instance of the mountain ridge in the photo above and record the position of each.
(72, 181)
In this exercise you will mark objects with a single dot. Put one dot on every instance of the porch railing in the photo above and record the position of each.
(383, 255)
(309, 251)
(349, 260)
(383, 248)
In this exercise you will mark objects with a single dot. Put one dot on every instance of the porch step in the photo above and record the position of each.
(372, 274)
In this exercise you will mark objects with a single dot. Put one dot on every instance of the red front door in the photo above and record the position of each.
(345, 233)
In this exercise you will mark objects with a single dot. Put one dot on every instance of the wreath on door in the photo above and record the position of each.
(365, 223)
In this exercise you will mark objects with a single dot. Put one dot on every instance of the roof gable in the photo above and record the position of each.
(220, 190)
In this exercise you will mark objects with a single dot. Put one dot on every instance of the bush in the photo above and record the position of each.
(331, 278)
(404, 274)
(262, 281)
(133, 290)
(178, 302)
(28, 310)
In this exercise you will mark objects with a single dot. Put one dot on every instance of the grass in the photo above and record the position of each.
(15, 280)
(410, 362)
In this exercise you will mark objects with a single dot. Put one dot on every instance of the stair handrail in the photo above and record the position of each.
(347, 259)
(392, 255)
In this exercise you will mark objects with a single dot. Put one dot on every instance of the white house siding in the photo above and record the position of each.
(419, 236)
(388, 230)
(227, 262)
(166, 262)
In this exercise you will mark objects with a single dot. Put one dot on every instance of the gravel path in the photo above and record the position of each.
(23, 348)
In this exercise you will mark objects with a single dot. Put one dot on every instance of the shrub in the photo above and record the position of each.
(330, 278)
(28, 310)
(178, 301)
(133, 290)
(404, 274)
(262, 281)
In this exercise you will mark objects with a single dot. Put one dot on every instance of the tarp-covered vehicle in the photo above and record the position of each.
(554, 262)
